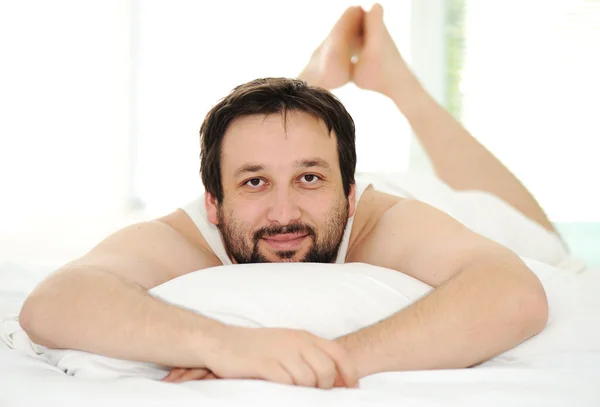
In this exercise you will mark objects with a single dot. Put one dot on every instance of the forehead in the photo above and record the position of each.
(270, 141)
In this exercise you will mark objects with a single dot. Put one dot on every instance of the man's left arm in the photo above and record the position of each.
(485, 300)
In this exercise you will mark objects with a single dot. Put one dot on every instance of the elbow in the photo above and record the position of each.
(26, 315)
(30, 321)
(527, 301)
(540, 315)
(532, 309)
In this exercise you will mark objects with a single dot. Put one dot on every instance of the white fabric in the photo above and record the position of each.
(565, 370)
(480, 211)
(325, 299)
(30, 383)
(483, 213)
(333, 300)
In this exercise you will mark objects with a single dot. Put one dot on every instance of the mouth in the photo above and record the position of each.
(285, 241)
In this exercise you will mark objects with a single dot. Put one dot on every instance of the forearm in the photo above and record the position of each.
(458, 158)
(94, 311)
(483, 311)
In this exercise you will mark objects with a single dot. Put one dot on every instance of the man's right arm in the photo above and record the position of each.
(99, 303)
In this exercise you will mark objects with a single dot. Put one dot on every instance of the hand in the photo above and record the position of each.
(379, 66)
(283, 356)
(182, 374)
(331, 63)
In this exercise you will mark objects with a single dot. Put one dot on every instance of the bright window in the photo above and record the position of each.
(525, 79)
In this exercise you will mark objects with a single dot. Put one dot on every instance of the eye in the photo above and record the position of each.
(310, 178)
(254, 182)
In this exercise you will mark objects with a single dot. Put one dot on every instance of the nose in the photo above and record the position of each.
(283, 208)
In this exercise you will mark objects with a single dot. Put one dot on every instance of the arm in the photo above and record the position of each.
(99, 303)
(485, 301)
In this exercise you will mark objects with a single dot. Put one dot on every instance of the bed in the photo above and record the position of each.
(569, 375)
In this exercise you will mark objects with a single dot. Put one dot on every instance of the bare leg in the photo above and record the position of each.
(458, 159)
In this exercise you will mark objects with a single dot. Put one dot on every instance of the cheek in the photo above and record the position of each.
(319, 209)
(248, 213)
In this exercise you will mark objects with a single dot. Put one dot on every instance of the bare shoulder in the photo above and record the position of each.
(185, 226)
(371, 207)
(419, 240)
(152, 252)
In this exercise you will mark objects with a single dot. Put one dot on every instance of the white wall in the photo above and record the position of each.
(64, 127)
(428, 62)
(531, 95)
(189, 54)
(81, 83)
(91, 91)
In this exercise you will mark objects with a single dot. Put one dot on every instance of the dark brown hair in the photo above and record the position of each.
(269, 96)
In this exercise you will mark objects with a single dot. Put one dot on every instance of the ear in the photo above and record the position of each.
(352, 200)
(210, 202)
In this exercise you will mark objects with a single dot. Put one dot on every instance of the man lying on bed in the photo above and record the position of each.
(278, 162)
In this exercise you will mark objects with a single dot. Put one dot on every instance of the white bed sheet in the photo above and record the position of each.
(574, 380)
(30, 382)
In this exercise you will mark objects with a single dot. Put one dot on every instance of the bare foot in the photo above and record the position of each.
(379, 67)
(331, 63)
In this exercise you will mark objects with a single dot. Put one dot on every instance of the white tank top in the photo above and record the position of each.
(197, 212)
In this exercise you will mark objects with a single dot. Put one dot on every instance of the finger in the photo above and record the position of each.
(173, 374)
(211, 376)
(339, 382)
(323, 367)
(192, 374)
(300, 370)
(344, 365)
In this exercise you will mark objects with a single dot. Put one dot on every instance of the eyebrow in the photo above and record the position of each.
(312, 162)
(248, 168)
(304, 163)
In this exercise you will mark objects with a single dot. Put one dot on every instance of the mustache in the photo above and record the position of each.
(278, 230)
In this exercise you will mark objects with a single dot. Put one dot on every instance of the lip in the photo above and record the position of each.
(287, 241)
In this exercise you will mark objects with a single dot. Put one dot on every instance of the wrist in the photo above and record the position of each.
(204, 340)
(350, 344)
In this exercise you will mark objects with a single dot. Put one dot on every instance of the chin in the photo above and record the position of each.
(278, 257)
(282, 256)
(287, 261)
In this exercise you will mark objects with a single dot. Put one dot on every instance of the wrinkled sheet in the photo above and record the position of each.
(568, 378)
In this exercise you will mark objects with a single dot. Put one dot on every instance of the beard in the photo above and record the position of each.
(325, 242)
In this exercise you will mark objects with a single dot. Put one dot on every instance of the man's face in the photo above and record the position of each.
(283, 194)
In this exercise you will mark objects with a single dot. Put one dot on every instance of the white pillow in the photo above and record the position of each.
(328, 300)
(331, 300)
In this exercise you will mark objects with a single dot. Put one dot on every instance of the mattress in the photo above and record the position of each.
(571, 378)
